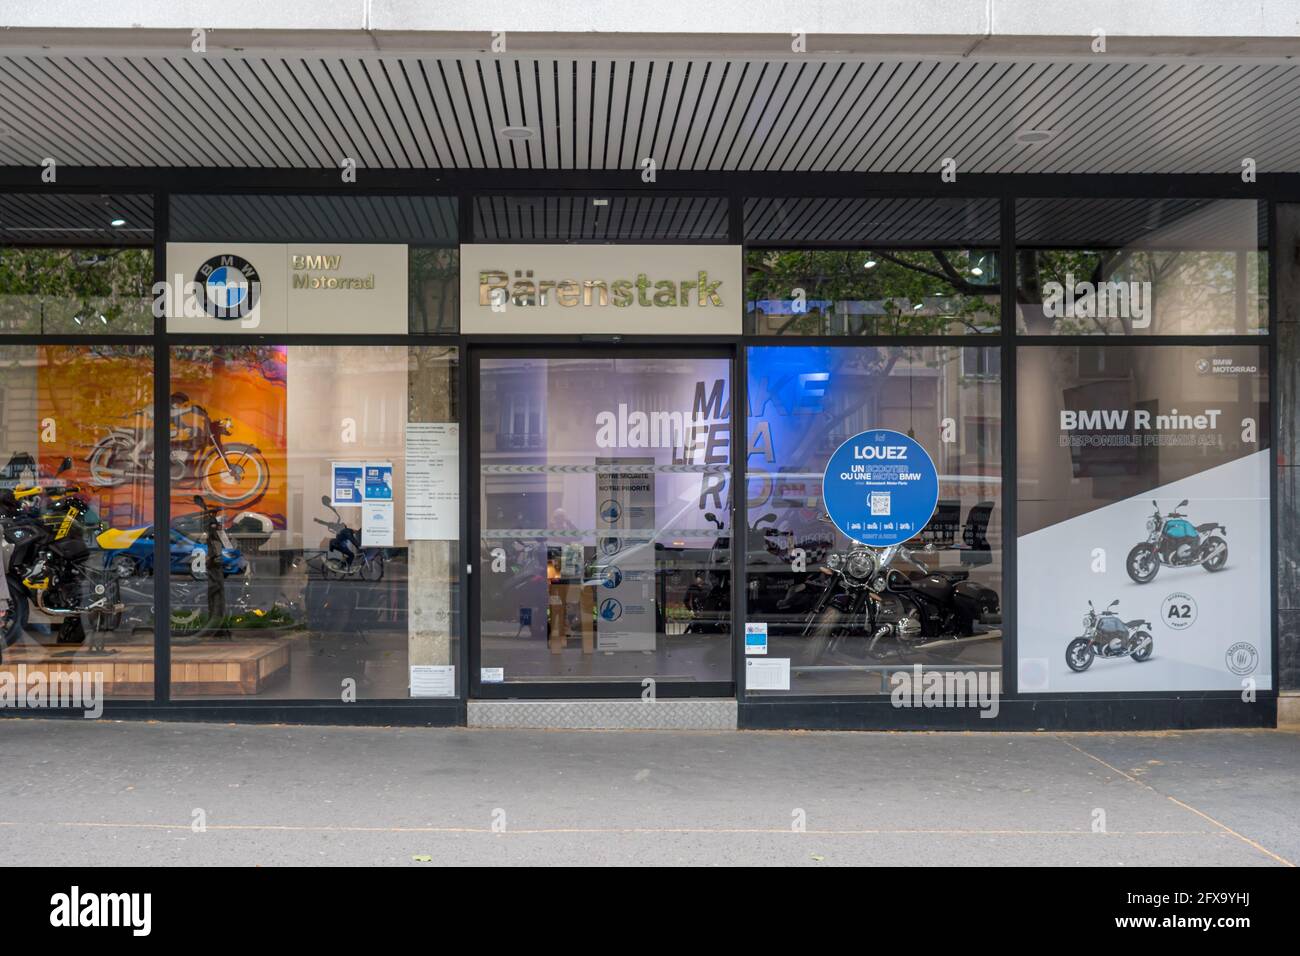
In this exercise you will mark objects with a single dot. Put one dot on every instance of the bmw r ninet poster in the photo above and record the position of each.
(1143, 518)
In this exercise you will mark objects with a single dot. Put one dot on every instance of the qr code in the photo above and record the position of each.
(880, 503)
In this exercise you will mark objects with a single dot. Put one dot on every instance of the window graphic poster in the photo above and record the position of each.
(100, 399)
(378, 481)
(625, 523)
(1143, 518)
(347, 484)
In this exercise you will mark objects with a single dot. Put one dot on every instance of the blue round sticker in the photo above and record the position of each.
(880, 488)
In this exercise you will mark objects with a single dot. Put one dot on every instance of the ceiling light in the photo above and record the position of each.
(516, 132)
(118, 222)
(869, 264)
(600, 202)
(976, 271)
(1032, 137)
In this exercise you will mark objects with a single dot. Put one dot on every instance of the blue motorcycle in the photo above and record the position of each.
(1174, 541)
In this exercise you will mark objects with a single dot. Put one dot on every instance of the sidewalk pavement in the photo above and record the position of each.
(83, 793)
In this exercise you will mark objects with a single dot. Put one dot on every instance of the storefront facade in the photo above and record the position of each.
(461, 445)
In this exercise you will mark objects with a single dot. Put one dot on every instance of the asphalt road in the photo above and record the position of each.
(97, 792)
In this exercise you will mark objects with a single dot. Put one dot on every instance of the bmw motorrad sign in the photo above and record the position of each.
(880, 488)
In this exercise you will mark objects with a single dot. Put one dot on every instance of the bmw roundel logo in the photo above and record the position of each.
(230, 287)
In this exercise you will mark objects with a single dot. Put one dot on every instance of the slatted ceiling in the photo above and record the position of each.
(1142, 223)
(698, 113)
(578, 218)
(418, 220)
(75, 219)
(878, 221)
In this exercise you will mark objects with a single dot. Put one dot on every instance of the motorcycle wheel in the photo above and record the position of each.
(1145, 648)
(1217, 562)
(373, 570)
(1079, 655)
(102, 472)
(14, 616)
(1142, 564)
(219, 482)
(828, 621)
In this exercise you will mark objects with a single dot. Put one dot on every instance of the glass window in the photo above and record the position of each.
(605, 519)
(76, 264)
(940, 608)
(1143, 518)
(859, 266)
(76, 598)
(1141, 267)
(313, 529)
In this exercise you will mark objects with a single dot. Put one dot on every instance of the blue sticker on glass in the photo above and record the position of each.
(880, 488)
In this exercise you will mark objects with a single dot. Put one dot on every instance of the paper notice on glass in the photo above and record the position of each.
(770, 673)
(377, 524)
(433, 680)
(432, 481)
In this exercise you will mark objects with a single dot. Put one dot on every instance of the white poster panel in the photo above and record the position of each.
(633, 289)
(432, 481)
(625, 519)
(377, 524)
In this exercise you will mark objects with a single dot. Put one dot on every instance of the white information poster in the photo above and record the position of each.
(433, 680)
(377, 524)
(625, 519)
(768, 673)
(432, 481)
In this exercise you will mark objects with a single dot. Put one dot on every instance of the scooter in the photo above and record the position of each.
(344, 557)
(1106, 635)
(1174, 541)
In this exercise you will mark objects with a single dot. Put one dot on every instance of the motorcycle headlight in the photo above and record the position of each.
(1087, 620)
(862, 565)
(1153, 523)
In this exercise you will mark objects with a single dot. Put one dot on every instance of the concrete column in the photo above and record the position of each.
(431, 386)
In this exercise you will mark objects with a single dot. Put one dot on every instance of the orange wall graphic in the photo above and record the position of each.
(93, 393)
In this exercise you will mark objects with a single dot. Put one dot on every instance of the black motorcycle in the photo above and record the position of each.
(1106, 635)
(872, 609)
(1174, 541)
(344, 557)
(46, 564)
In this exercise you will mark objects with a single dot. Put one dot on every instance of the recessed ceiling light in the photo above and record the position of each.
(869, 264)
(600, 202)
(516, 132)
(1031, 137)
(976, 271)
(117, 223)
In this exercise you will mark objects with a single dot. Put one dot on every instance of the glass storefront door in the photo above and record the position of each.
(603, 515)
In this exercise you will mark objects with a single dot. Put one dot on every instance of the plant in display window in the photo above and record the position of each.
(1105, 634)
(1174, 541)
(859, 604)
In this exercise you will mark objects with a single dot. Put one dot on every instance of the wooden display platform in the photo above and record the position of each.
(216, 669)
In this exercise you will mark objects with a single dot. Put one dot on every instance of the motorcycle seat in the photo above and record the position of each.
(1208, 526)
(1137, 623)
